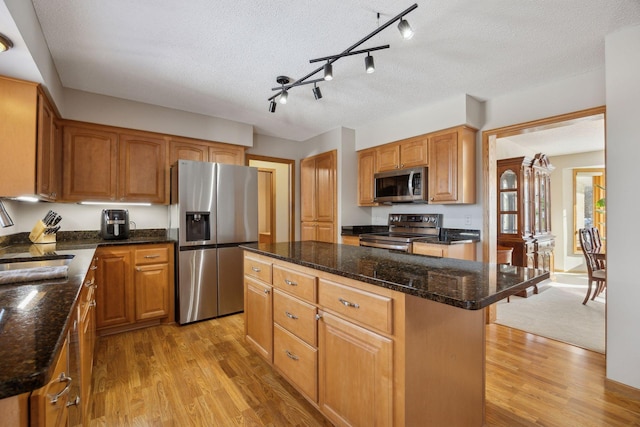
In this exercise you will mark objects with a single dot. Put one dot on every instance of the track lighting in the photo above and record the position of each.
(327, 69)
(5, 43)
(368, 64)
(316, 92)
(405, 29)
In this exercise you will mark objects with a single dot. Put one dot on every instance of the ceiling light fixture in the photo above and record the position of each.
(5, 43)
(284, 95)
(327, 69)
(272, 106)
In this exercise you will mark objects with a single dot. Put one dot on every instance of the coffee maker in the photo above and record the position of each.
(114, 224)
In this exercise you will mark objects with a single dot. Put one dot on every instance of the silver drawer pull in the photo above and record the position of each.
(290, 283)
(74, 402)
(63, 378)
(349, 304)
(93, 267)
(152, 256)
(90, 283)
(291, 355)
(92, 303)
(291, 316)
(256, 269)
(266, 291)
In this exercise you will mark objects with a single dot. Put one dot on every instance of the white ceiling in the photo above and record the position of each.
(221, 58)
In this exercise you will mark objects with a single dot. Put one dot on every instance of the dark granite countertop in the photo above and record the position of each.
(466, 284)
(30, 337)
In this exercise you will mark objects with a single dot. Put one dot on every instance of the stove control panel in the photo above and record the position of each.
(416, 220)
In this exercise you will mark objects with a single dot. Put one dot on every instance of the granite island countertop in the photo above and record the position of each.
(465, 284)
(30, 337)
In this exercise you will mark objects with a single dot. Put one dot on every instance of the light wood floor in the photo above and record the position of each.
(204, 374)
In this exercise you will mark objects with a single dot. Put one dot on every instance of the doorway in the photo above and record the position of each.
(276, 197)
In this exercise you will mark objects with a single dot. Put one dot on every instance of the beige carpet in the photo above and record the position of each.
(558, 313)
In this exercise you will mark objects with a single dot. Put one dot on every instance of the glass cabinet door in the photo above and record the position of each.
(508, 203)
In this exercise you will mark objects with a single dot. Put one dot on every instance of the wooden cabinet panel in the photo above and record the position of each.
(142, 174)
(407, 153)
(114, 294)
(296, 283)
(182, 150)
(221, 153)
(319, 197)
(319, 231)
(258, 316)
(44, 411)
(443, 177)
(458, 251)
(257, 268)
(297, 360)
(388, 157)
(90, 164)
(355, 380)
(308, 190)
(351, 240)
(366, 169)
(205, 151)
(152, 291)
(296, 316)
(325, 187)
(49, 149)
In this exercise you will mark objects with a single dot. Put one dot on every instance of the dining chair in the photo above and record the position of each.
(596, 270)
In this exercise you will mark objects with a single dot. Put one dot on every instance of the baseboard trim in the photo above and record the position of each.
(623, 389)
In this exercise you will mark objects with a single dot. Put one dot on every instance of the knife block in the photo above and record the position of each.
(37, 234)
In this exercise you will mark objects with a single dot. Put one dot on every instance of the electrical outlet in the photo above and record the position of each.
(467, 220)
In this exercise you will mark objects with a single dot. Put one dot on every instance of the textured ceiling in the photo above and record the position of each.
(221, 58)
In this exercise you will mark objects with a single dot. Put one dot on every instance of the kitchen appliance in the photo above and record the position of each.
(114, 224)
(404, 229)
(401, 186)
(214, 209)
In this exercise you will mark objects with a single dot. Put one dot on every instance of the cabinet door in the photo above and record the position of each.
(443, 168)
(308, 189)
(355, 375)
(366, 169)
(152, 291)
(226, 154)
(87, 336)
(308, 231)
(114, 293)
(45, 412)
(414, 152)
(89, 164)
(49, 151)
(182, 150)
(388, 157)
(258, 319)
(142, 174)
(325, 187)
(325, 232)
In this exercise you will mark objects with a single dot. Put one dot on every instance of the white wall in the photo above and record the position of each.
(623, 204)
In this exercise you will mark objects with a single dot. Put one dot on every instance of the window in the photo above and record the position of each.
(588, 202)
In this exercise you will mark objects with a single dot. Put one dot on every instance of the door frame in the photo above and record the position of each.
(292, 186)
(272, 201)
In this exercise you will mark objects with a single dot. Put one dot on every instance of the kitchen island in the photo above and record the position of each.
(374, 337)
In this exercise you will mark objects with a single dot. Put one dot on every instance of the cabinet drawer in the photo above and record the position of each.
(294, 282)
(427, 249)
(258, 269)
(152, 255)
(297, 360)
(364, 307)
(296, 316)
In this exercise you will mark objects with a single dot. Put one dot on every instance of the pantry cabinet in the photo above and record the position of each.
(452, 166)
(319, 197)
(134, 286)
(29, 137)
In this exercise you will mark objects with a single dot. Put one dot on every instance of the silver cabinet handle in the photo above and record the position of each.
(256, 269)
(63, 378)
(348, 304)
(291, 355)
(152, 256)
(291, 316)
(90, 283)
(74, 402)
(93, 267)
(92, 303)
(266, 291)
(318, 316)
(290, 283)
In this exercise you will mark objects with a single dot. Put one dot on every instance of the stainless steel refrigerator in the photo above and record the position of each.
(214, 209)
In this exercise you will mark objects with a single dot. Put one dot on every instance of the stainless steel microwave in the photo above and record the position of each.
(401, 186)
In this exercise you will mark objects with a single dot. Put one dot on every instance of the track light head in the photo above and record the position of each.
(328, 71)
(316, 92)
(368, 64)
(284, 96)
(5, 43)
(405, 29)
(272, 106)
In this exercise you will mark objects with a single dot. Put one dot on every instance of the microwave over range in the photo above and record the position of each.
(401, 186)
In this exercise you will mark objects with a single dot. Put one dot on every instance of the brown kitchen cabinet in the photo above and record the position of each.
(367, 167)
(204, 151)
(49, 403)
(142, 173)
(30, 138)
(258, 304)
(87, 339)
(407, 153)
(318, 194)
(134, 287)
(351, 240)
(458, 250)
(452, 166)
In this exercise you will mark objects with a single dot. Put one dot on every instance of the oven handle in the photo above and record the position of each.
(398, 247)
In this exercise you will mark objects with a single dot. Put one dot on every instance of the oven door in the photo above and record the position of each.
(386, 244)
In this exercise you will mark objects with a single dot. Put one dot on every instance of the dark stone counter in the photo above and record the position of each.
(466, 284)
(30, 337)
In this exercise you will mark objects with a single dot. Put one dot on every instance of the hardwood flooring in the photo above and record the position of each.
(204, 374)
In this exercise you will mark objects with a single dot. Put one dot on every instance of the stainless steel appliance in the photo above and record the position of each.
(401, 186)
(114, 224)
(214, 209)
(404, 229)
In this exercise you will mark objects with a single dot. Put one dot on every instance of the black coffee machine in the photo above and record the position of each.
(114, 224)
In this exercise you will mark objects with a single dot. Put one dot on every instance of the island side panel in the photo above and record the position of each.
(444, 364)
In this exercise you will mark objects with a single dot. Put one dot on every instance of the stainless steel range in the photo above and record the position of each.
(404, 229)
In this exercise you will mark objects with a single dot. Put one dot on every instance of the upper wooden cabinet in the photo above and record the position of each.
(452, 166)
(142, 174)
(204, 151)
(367, 166)
(407, 153)
(318, 194)
(29, 141)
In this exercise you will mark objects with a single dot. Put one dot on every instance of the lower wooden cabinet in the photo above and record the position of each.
(320, 231)
(459, 250)
(258, 316)
(87, 340)
(296, 360)
(351, 240)
(134, 286)
(49, 403)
